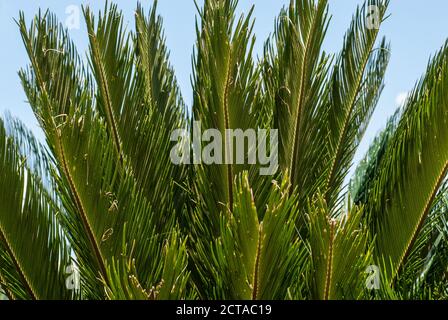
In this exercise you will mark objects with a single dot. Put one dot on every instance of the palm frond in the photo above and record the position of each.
(105, 209)
(252, 258)
(225, 90)
(168, 273)
(340, 251)
(164, 112)
(413, 169)
(295, 74)
(112, 65)
(355, 86)
(362, 180)
(59, 91)
(424, 271)
(33, 249)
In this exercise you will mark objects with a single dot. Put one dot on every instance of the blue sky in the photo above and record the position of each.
(416, 30)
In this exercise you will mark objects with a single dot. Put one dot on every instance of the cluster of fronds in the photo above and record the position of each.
(101, 197)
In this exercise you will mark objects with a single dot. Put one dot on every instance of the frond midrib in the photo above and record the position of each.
(25, 280)
(229, 167)
(298, 119)
(105, 90)
(347, 118)
(8, 293)
(65, 167)
(421, 221)
(255, 281)
(329, 269)
(82, 210)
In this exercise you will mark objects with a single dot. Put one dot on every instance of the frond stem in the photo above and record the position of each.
(329, 272)
(24, 279)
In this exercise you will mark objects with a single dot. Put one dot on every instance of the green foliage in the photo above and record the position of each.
(295, 75)
(252, 258)
(103, 195)
(413, 168)
(29, 224)
(340, 253)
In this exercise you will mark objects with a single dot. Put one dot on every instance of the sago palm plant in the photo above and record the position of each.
(102, 197)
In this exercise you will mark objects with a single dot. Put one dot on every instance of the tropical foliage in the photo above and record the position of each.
(102, 198)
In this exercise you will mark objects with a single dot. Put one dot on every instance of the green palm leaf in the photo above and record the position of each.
(340, 253)
(106, 211)
(413, 169)
(355, 87)
(33, 248)
(254, 259)
(139, 99)
(295, 73)
(225, 91)
(106, 195)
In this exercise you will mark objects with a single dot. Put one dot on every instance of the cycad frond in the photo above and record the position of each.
(413, 168)
(166, 279)
(137, 95)
(58, 91)
(424, 271)
(225, 84)
(340, 251)
(106, 209)
(252, 258)
(355, 87)
(107, 195)
(33, 250)
(361, 182)
(295, 74)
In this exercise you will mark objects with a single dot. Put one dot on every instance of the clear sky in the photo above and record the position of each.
(416, 30)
